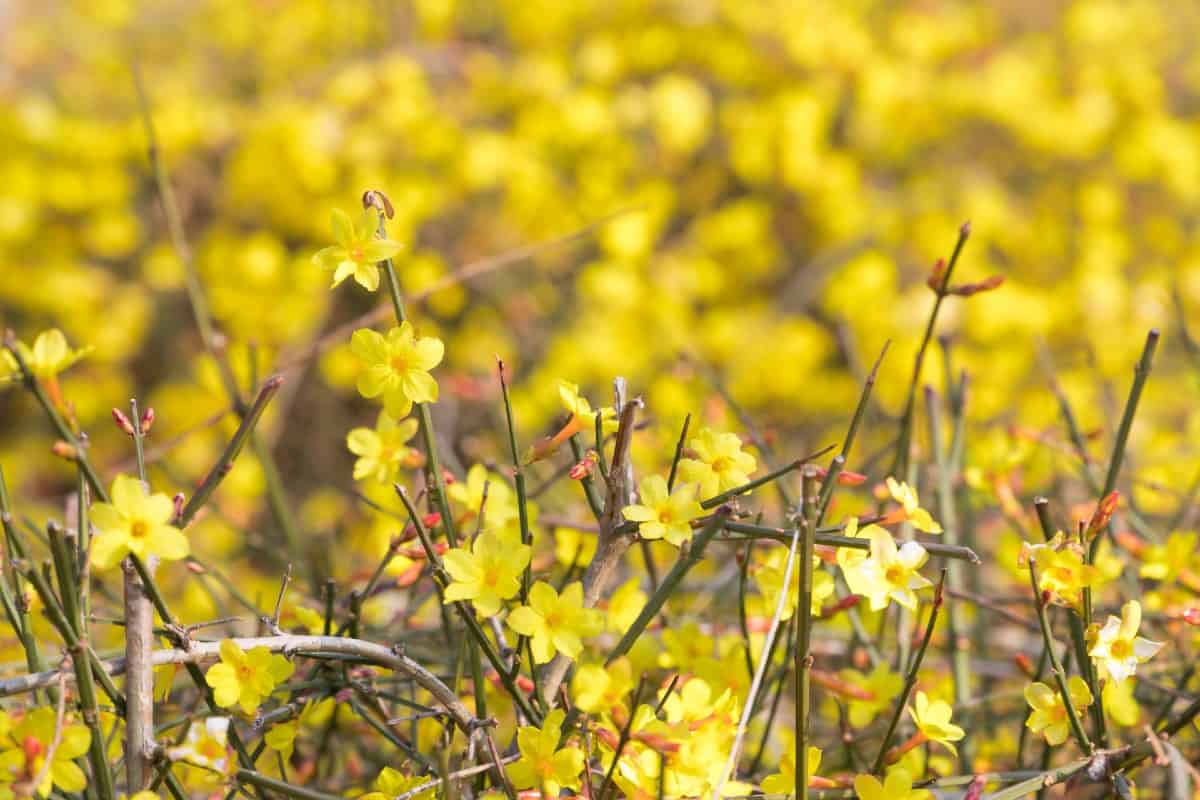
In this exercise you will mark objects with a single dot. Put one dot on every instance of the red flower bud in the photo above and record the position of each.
(1191, 615)
(968, 289)
(122, 422)
(1024, 664)
(432, 519)
(147, 421)
(1103, 513)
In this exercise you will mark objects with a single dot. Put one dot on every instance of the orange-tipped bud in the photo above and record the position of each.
(847, 602)
(937, 276)
(1191, 615)
(448, 476)
(844, 478)
(64, 450)
(431, 520)
(838, 686)
(1103, 513)
(1024, 664)
(147, 420)
(968, 289)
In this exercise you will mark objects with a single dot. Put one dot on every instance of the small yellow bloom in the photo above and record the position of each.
(24, 750)
(246, 678)
(134, 522)
(932, 718)
(907, 497)
(488, 573)
(597, 689)
(784, 781)
(573, 547)
(49, 356)
(1063, 573)
(393, 783)
(397, 367)
(1049, 716)
(883, 685)
(889, 573)
(542, 765)
(282, 736)
(554, 622)
(358, 251)
(624, 605)
(663, 514)
(382, 451)
(1118, 649)
(769, 576)
(1164, 562)
(206, 745)
(719, 464)
(582, 414)
(897, 786)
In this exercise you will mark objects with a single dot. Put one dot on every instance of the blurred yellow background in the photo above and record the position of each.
(772, 183)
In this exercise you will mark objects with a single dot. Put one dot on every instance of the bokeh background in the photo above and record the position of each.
(732, 204)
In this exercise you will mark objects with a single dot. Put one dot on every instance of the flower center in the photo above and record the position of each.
(491, 577)
(399, 363)
(356, 254)
(1121, 648)
(665, 516)
(245, 672)
(894, 574)
(139, 529)
(720, 464)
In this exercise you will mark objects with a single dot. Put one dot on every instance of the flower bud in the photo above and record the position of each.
(122, 422)
(64, 450)
(147, 421)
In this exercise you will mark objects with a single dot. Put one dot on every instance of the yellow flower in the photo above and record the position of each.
(907, 497)
(1118, 649)
(382, 451)
(897, 786)
(881, 682)
(769, 576)
(1063, 573)
(134, 522)
(1049, 717)
(554, 622)
(573, 547)
(501, 513)
(582, 414)
(358, 251)
(49, 356)
(246, 678)
(206, 745)
(393, 783)
(488, 573)
(784, 781)
(597, 689)
(25, 748)
(542, 765)
(282, 737)
(1164, 562)
(624, 605)
(719, 463)
(889, 573)
(397, 367)
(932, 718)
(663, 514)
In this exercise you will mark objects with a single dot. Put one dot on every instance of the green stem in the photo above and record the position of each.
(910, 680)
(434, 479)
(669, 584)
(803, 656)
(1056, 668)
(904, 439)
